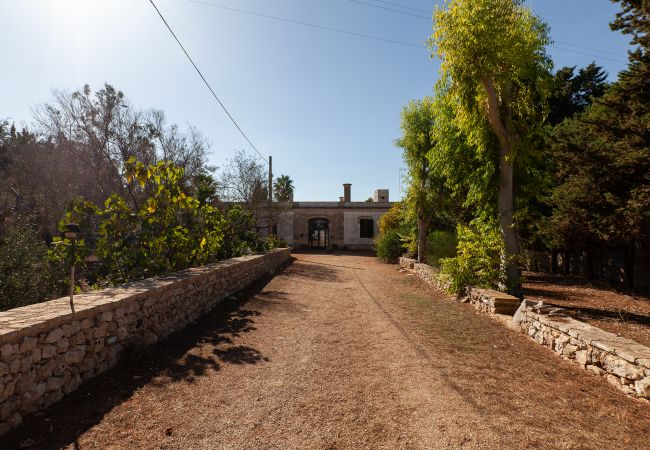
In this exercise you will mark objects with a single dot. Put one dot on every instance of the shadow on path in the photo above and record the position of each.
(171, 360)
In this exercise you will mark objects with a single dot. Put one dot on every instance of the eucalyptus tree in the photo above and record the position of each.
(493, 53)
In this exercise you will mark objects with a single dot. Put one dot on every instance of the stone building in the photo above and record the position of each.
(340, 224)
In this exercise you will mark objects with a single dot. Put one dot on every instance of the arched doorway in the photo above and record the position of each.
(319, 233)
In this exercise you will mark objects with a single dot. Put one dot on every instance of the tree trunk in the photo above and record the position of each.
(506, 191)
(554, 254)
(566, 264)
(422, 239)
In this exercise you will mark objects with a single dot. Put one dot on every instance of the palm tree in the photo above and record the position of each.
(283, 188)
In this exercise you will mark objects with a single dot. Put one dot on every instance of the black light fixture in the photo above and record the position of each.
(72, 232)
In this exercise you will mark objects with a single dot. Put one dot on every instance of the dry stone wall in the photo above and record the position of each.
(46, 352)
(624, 363)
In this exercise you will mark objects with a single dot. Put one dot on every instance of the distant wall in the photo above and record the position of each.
(46, 352)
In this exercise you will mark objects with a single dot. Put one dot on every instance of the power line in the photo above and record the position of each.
(206, 81)
(588, 48)
(307, 24)
(406, 13)
(365, 3)
(402, 6)
(588, 54)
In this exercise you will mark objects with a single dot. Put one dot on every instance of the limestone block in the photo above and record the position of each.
(617, 366)
(39, 389)
(88, 363)
(62, 345)
(26, 363)
(14, 365)
(6, 351)
(72, 384)
(54, 384)
(28, 344)
(110, 340)
(48, 351)
(570, 350)
(54, 335)
(101, 330)
(106, 316)
(86, 323)
(36, 355)
(4, 368)
(642, 387)
(75, 356)
(583, 357)
(8, 391)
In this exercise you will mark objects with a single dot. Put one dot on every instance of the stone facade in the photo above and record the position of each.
(343, 221)
(622, 362)
(46, 352)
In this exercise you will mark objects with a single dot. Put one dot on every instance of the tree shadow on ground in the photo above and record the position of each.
(178, 358)
(314, 271)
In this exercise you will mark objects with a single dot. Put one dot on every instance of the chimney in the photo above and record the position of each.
(347, 188)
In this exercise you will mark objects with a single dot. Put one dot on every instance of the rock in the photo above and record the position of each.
(86, 323)
(582, 357)
(54, 384)
(642, 387)
(14, 366)
(106, 316)
(4, 368)
(26, 363)
(569, 350)
(54, 335)
(36, 355)
(39, 389)
(75, 356)
(28, 344)
(48, 351)
(62, 345)
(6, 351)
(618, 366)
(15, 420)
(110, 340)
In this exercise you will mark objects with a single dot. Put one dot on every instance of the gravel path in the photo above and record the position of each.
(340, 351)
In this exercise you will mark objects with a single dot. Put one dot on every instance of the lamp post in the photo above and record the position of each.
(72, 232)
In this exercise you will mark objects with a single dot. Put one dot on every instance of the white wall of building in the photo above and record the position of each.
(352, 227)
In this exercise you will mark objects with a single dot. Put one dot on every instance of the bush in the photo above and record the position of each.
(442, 244)
(389, 246)
(27, 275)
(478, 259)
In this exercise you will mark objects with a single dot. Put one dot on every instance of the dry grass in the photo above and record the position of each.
(340, 351)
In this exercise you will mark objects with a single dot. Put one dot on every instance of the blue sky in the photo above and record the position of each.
(326, 105)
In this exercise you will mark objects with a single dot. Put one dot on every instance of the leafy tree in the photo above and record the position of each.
(283, 188)
(426, 192)
(493, 53)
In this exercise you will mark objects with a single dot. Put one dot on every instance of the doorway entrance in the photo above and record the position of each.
(319, 233)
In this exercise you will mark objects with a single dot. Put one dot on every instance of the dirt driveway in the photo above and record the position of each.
(340, 351)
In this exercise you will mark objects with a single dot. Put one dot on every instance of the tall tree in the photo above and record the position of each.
(603, 177)
(572, 93)
(493, 52)
(283, 188)
(425, 191)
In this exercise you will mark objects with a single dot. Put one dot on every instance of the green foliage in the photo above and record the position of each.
(478, 260)
(389, 246)
(27, 275)
(392, 219)
(169, 231)
(283, 188)
(442, 244)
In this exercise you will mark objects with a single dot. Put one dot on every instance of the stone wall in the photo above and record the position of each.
(427, 273)
(46, 352)
(624, 363)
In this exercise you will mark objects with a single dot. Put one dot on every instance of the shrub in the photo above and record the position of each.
(477, 261)
(442, 244)
(27, 275)
(389, 246)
